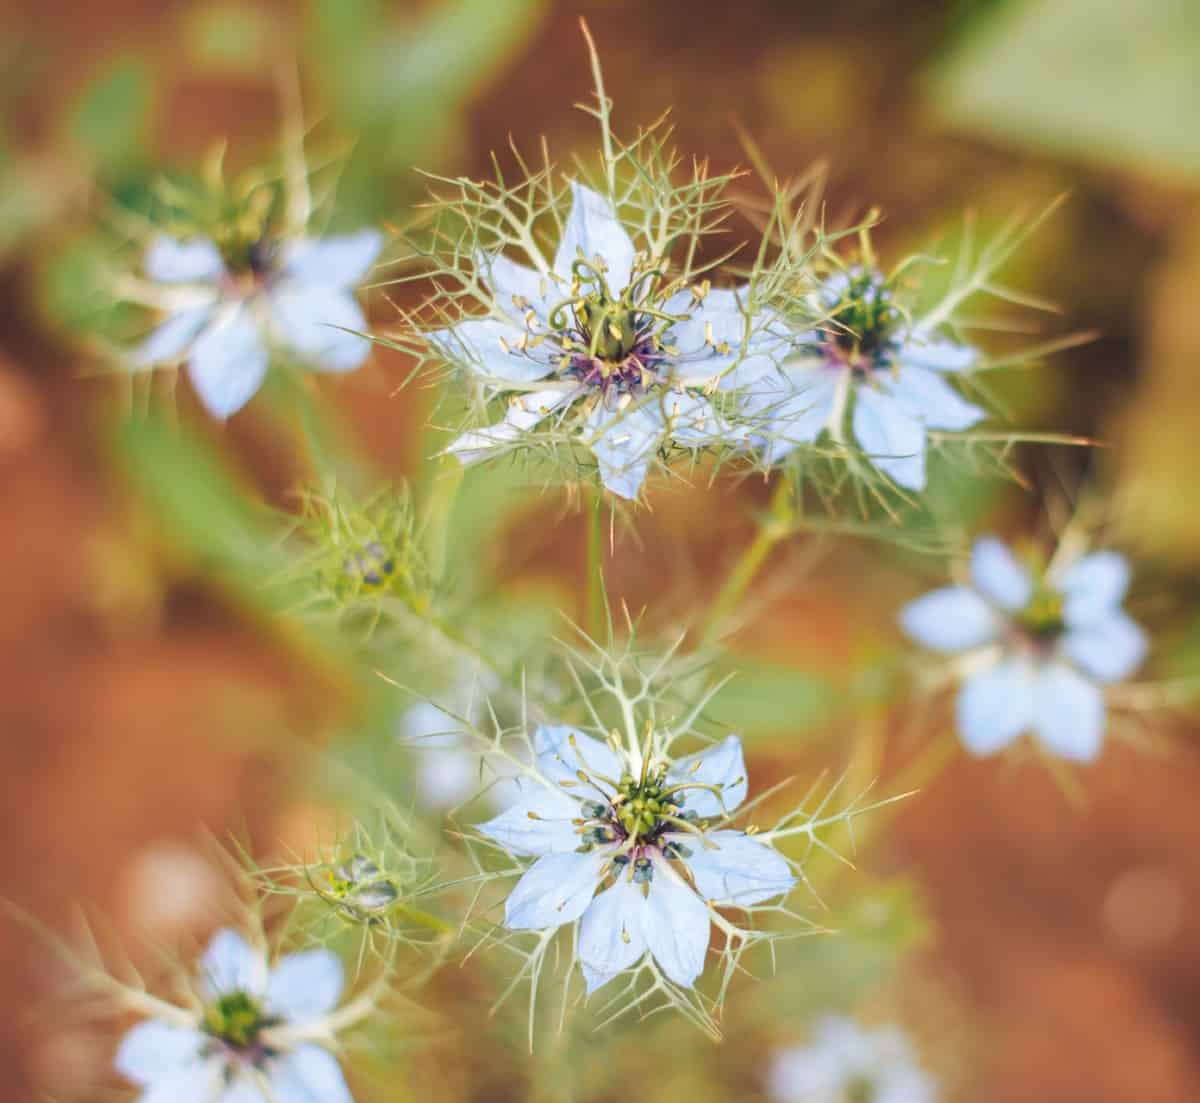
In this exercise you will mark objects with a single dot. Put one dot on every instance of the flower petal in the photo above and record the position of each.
(722, 768)
(153, 1050)
(736, 869)
(1068, 713)
(1109, 649)
(995, 706)
(1093, 586)
(538, 822)
(339, 261)
(309, 1074)
(305, 986)
(998, 576)
(594, 230)
(313, 321)
(927, 397)
(230, 964)
(199, 1082)
(245, 1089)
(893, 440)
(228, 362)
(562, 751)
(937, 355)
(524, 413)
(171, 339)
(794, 403)
(692, 421)
(195, 261)
(513, 283)
(954, 618)
(675, 924)
(624, 443)
(610, 933)
(491, 348)
(555, 890)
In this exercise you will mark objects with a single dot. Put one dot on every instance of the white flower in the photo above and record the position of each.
(225, 320)
(1046, 647)
(647, 835)
(866, 357)
(250, 1043)
(845, 1063)
(599, 329)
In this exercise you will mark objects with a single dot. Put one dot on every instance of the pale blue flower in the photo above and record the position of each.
(866, 365)
(224, 321)
(1047, 647)
(593, 335)
(638, 881)
(251, 1042)
(846, 1063)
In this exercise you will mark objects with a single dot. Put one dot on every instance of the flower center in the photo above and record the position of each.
(861, 330)
(360, 889)
(237, 1019)
(1042, 618)
(371, 566)
(641, 806)
(860, 1089)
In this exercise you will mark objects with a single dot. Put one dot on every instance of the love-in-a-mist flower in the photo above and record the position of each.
(607, 344)
(259, 1035)
(867, 365)
(1040, 646)
(633, 850)
(847, 1063)
(228, 309)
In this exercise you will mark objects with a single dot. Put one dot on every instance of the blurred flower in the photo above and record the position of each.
(259, 1037)
(647, 833)
(226, 310)
(602, 337)
(864, 356)
(844, 1063)
(1046, 647)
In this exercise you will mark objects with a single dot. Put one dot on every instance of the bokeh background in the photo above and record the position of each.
(144, 695)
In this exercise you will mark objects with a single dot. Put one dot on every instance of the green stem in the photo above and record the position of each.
(596, 603)
(774, 528)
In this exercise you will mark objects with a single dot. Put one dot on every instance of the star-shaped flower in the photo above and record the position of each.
(867, 361)
(1044, 647)
(224, 316)
(605, 343)
(257, 1038)
(846, 1063)
(634, 851)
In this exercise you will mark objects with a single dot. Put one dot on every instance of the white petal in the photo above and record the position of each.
(723, 768)
(305, 986)
(594, 230)
(736, 869)
(610, 933)
(228, 362)
(313, 322)
(995, 706)
(309, 1074)
(929, 398)
(524, 413)
(624, 443)
(153, 1050)
(691, 420)
(490, 348)
(675, 924)
(171, 339)
(555, 890)
(340, 261)
(998, 575)
(806, 1074)
(892, 440)
(937, 355)
(538, 822)
(1068, 714)
(1109, 648)
(511, 283)
(198, 1082)
(795, 405)
(245, 1089)
(954, 618)
(195, 261)
(562, 751)
(230, 964)
(1093, 586)
(446, 776)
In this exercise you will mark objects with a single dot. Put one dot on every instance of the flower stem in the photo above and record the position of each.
(774, 528)
(596, 602)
